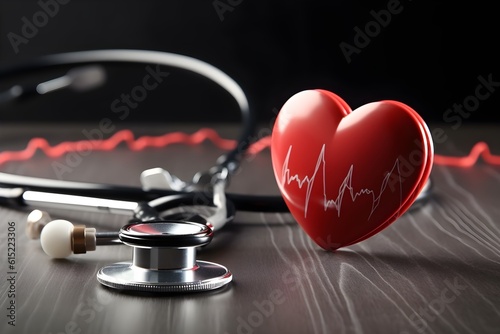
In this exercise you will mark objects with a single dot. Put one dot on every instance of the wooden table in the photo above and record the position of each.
(435, 270)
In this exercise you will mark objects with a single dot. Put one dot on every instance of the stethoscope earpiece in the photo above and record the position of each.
(35, 222)
(60, 238)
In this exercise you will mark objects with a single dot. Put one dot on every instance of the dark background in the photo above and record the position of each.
(429, 56)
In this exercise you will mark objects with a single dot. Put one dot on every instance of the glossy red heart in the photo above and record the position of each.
(347, 174)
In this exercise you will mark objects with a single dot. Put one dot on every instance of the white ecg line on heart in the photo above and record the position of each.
(346, 184)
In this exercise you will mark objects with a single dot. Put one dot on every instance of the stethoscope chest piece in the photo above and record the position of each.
(164, 259)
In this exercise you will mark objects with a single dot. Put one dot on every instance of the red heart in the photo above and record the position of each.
(346, 175)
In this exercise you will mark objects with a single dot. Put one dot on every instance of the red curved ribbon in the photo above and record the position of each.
(480, 149)
(123, 136)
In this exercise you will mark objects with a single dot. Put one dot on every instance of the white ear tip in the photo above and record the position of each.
(35, 222)
(56, 238)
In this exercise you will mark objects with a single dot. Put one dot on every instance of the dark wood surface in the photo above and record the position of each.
(435, 270)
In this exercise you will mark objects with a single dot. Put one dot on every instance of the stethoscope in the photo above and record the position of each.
(164, 246)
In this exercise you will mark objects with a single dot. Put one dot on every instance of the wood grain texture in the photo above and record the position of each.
(435, 270)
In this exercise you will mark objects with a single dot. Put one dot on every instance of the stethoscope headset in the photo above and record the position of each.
(164, 246)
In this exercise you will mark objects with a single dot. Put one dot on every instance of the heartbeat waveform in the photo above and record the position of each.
(123, 136)
(480, 149)
(346, 184)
